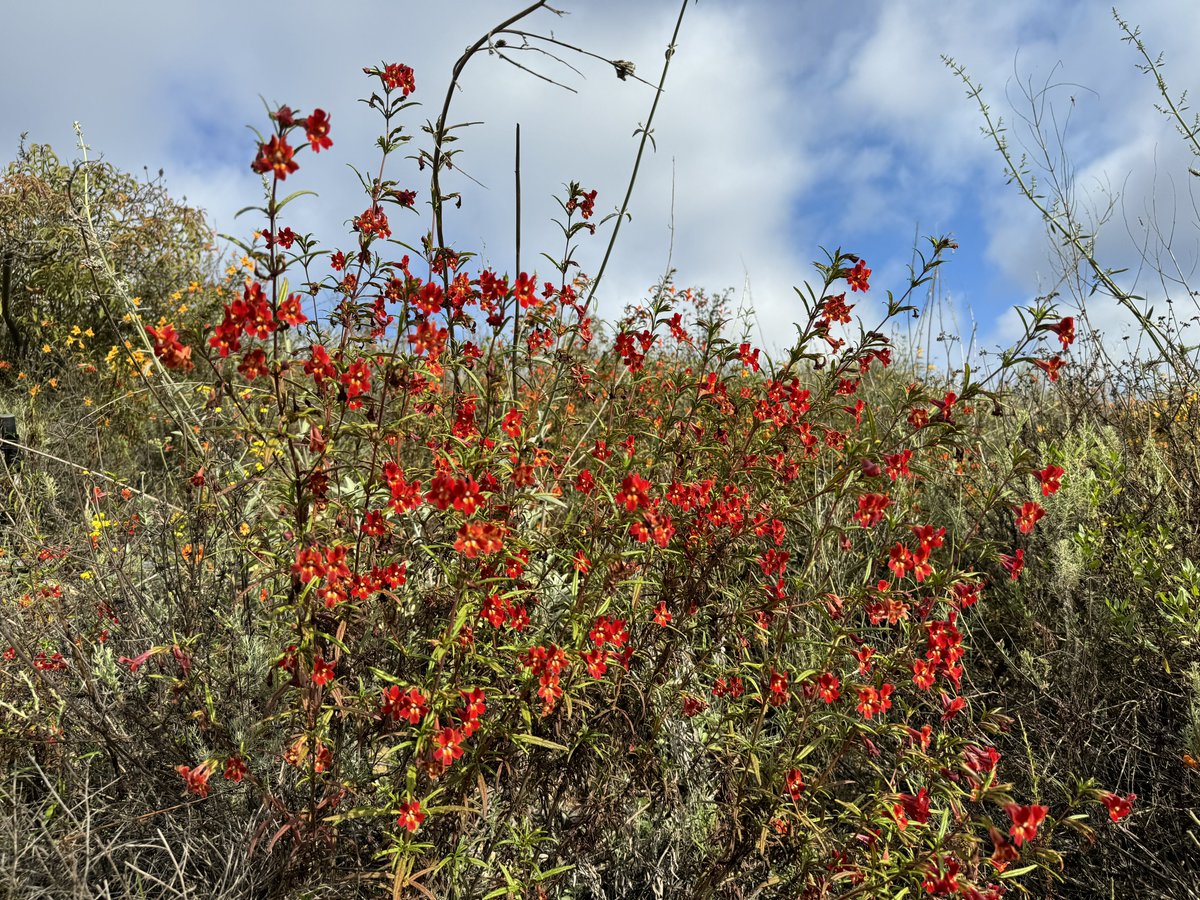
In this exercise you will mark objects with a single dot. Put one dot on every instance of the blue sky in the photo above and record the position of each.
(786, 126)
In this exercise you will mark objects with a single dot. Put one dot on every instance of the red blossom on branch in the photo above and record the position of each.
(275, 156)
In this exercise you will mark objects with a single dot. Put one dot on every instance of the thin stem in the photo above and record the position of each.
(637, 163)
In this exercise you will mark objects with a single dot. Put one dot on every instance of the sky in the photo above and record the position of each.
(786, 126)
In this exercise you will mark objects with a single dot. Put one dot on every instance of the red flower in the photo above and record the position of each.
(1013, 564)
(357, 379)
(951, 708)
(410, 704)
(1006, 851)
(289, 311)
(373, 221)
(980, 760)
(167, 347)
(374, 524)
(1065, 330)
(316, 129)
(942, 879)
(795, 783)
(1025, 821)
(410, 817)
(284, 238)
(476, 702)
(924, 673)
(857, 277)
(322, 672)
(1051, 479)
(871, 508)
(428, 339)
(872, 702)
(511, 425)
(196, 779)
(254, 312)
(693, 705)
(921, 737)
(863, 655)
(398, 76)
(1118, 807)
(929, 538)
(829, 687)
(897, 464)
(778, 684)
(662, 616)
(323, 759)
(606, 630)
(597, 662)
(448, 749)
(632, 494)
(916, 807)
(525, 291)
(1028, 515)
(235, 768)
(253, 364)
(966, 593)
(1051, 367)
(320, 366)
(275, 156)
(480, 538)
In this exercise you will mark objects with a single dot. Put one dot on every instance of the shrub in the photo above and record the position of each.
(434, 611)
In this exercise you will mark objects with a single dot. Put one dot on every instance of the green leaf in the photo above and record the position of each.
(362, 812)
(536, 741)
(292, 196)
(1017, 873)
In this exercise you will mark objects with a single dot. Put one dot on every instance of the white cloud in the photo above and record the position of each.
(783, 128)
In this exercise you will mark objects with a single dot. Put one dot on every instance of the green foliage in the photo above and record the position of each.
(159, 246)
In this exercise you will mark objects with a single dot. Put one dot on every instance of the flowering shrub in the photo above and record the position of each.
(557, 614)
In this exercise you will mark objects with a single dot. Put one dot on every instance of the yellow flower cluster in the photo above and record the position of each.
(132, 360)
